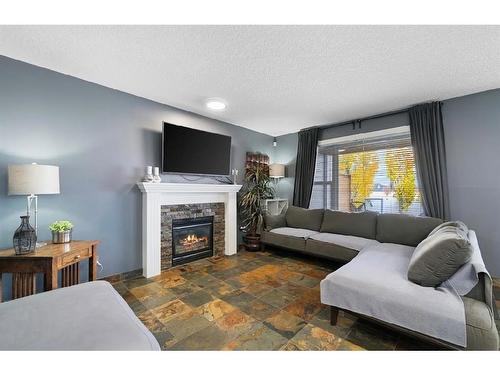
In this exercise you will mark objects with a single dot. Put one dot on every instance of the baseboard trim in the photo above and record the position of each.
(123, 276)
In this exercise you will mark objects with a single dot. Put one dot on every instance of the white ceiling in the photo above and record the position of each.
(275, 79)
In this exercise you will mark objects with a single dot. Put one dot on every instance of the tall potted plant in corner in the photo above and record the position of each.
(256, 188)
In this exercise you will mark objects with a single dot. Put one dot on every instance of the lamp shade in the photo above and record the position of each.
(277, 170)
(26, 179)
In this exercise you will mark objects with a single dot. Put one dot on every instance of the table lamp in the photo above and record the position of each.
(276, 171)
(33, 180)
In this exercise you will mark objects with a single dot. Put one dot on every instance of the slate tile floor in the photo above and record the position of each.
(251, 301)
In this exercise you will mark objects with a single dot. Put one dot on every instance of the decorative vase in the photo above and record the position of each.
(148, 177)
(24, 237)
(156, 175)
(62, 237)
(252, 242)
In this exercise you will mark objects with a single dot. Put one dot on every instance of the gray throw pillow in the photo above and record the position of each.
(456, 224)
(297, 217)
(360, 224)
(274, 221)
(439, 256)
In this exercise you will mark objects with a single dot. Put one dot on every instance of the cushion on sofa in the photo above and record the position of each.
(456, 224)
(404, 229)
(280, 240)
(294, 232)
(330, 250)
(439, 256)
(350, 242)
(297, 217)
(274, 221)
(361, 224)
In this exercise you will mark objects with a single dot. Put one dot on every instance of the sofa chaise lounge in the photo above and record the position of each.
(373, 284)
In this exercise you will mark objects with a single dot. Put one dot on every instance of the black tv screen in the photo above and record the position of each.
(193, 151)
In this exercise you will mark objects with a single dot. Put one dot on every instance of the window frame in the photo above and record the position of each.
(324, 183)
(338, 143)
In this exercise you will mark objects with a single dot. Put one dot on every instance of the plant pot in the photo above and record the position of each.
(62, 237)
(252, 242)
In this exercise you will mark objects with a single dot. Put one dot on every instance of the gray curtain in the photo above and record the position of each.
(304, 169)
(427, 138)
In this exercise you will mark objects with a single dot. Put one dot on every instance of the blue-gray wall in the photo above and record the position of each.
(472, 135)
(286, 153)
(101, 139)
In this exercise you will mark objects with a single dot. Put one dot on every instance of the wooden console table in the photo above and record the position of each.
(48, 260)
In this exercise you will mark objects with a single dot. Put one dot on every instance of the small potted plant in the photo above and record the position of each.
(61, 231)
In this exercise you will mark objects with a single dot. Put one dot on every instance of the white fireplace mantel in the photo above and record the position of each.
(155, 195)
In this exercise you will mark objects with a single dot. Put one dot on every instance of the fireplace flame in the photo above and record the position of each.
(193, 239)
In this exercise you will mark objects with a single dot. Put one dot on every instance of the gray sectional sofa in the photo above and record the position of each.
(377, 249)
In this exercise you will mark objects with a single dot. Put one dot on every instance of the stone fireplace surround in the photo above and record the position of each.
(156, 195)
(190, 211)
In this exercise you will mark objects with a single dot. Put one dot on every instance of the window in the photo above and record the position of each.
(371, 171)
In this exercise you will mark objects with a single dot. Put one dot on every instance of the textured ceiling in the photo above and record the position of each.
(275, 79)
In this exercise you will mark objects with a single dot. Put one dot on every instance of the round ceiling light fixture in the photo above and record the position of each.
(216, 104)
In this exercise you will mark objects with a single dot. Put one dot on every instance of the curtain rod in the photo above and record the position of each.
(353, 122)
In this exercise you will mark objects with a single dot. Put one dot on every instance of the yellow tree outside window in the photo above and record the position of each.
(361, 167)
(401, 172)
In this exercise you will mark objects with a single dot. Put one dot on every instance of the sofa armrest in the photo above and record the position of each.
(274, 221)
(483, 292)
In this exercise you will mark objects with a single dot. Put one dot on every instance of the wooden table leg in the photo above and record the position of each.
(23, 284)
(1, 287)
(93, 264)
(70, 275)
(50, 276)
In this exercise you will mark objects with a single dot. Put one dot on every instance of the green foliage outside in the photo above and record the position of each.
(362, 167)
(401, 172)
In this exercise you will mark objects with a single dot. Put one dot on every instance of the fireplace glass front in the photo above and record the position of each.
(192, 239)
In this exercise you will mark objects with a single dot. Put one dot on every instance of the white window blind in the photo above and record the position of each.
(370, 171)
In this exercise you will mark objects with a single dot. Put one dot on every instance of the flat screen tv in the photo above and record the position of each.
(192, 151)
